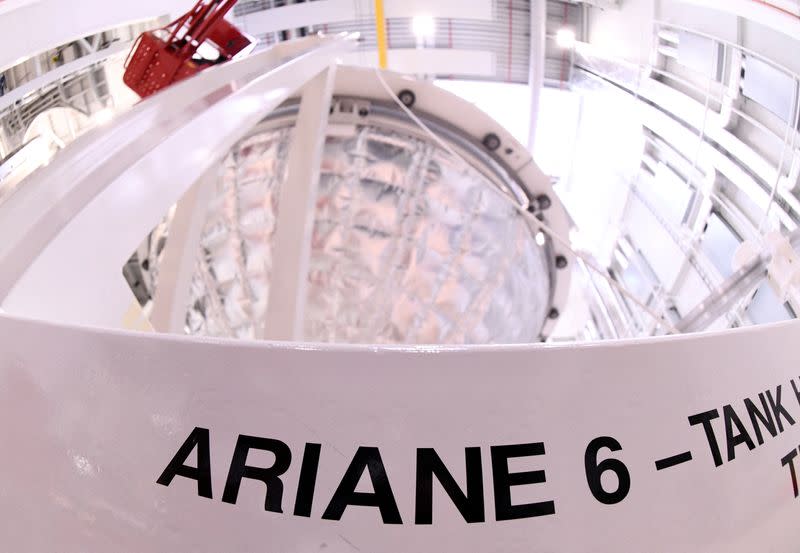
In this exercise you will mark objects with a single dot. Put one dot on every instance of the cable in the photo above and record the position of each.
(659, 318)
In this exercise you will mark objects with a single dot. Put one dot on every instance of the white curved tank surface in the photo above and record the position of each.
(490, 276)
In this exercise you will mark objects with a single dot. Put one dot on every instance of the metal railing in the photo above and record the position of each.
(729, 52)
(761, 143)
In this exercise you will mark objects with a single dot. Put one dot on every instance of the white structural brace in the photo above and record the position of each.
(126, 177)
(295, 221)
(321, 12)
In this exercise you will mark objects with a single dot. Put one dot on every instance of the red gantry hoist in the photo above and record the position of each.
(162, 57)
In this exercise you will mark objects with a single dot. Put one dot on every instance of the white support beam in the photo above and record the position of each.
(295, 222)
(180, 255)
(536, 74)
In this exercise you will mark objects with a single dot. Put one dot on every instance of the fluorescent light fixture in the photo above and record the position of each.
(423, 27)
(565, 38)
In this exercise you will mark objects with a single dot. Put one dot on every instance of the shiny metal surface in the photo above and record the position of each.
(408, 247)
(230, 287)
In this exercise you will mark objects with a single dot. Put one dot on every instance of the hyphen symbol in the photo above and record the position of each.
(678, 459)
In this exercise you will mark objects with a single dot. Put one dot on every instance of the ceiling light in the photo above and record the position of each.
(423, 27)
(565, 38)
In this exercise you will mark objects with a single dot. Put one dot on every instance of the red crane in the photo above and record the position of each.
(167, 55)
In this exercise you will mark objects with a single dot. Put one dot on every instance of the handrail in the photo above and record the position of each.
(748, 51)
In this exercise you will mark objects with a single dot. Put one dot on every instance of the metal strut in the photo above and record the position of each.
(167, 55)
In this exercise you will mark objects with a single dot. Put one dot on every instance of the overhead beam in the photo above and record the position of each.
(779, 15)
(322, 12)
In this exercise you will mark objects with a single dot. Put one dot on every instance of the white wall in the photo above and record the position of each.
(626, 32)
(337, 11)
(782, 16)
(512, 113)
(721, 24)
